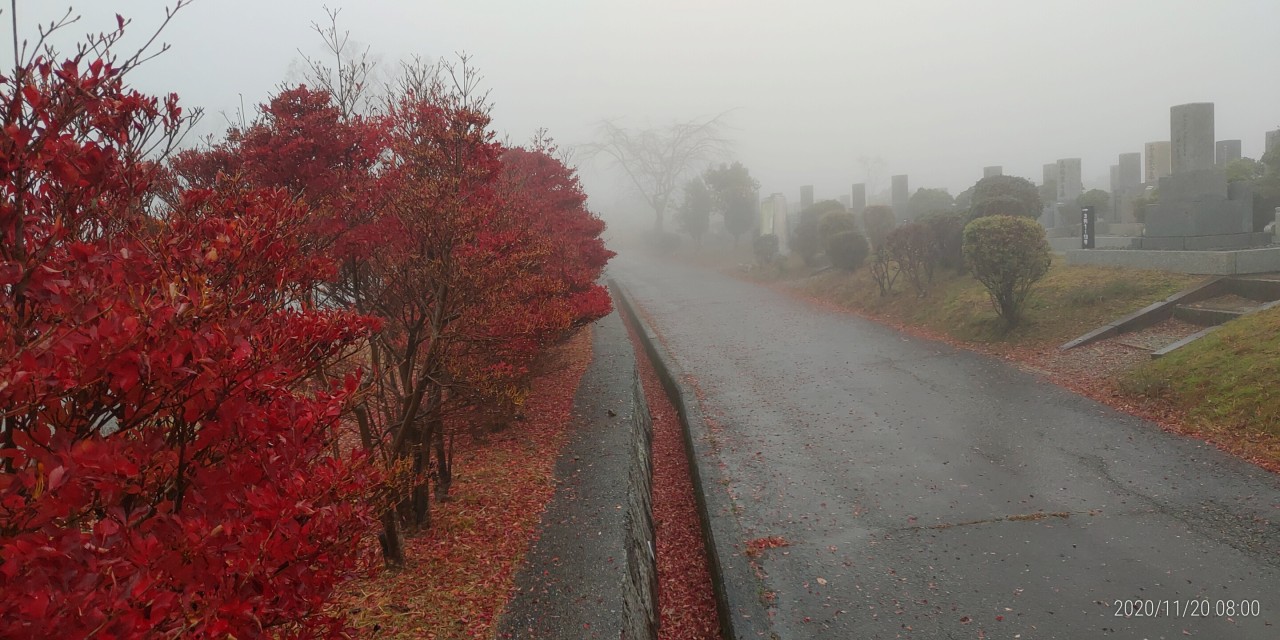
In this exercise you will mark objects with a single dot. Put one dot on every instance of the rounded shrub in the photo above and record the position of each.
(847, 250)
(1007, 255)
(1020, 189)
(948, 236)
(836, 222)
(1001, 206)
(878, 220)
(766, 248)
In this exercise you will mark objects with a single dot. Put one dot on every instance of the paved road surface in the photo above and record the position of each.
(907, 476)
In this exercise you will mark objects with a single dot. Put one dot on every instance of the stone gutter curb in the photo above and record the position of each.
(738, 589)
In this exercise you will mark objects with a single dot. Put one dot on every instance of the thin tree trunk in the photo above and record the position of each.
(391, 541)
(444, 465)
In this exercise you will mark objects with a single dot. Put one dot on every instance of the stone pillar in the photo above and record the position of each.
(996, 170)
(1128, 187)
(1157, 166)
(900, 196)
(1191, 135)
(1070, 186)
(1115, 192)
(1226, 151)
(806, 197)
(1273, 140)
(858, 201)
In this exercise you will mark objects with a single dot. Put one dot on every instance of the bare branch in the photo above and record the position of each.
(657, 160)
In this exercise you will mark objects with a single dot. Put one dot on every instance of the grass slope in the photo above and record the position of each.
(1068, 302)
(1226, 382)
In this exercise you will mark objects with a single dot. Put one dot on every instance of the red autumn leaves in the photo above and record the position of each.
(183, 346)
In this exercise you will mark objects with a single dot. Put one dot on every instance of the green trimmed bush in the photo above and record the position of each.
(847, 250)
(766, 248)
(1007, 255)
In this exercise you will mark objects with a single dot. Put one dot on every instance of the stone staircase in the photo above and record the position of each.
(1169, 325)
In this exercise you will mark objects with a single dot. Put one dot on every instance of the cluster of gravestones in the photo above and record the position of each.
(1197, 207)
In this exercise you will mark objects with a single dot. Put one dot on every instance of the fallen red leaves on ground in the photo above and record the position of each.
(756, 547)
(686, 598)
(461, 571)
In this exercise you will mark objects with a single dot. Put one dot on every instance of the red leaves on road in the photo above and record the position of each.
(757, 546)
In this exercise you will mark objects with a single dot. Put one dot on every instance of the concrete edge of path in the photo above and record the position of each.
(737, 587)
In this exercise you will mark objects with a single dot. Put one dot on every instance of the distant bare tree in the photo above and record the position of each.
(348, 79)
(657, 160)
(872, 169)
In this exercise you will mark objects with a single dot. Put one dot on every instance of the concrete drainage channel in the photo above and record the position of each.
(737, 588)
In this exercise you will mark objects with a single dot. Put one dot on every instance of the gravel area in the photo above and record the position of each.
(1228, 303)
(1105, 358)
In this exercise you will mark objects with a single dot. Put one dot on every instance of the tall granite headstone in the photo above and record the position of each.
(1226, 151)
(1273, 141)
(858, 201)
(774, 219)
(1157, 154)
(1128, 187)
(900, 195)
(1197, 208)
(1191, 131)
(1070, 187)
(806, 197)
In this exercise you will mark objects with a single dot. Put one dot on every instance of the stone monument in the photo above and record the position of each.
(858, 201)
(774, 219)
(1197, 209)
(1191, 141)
(1273, 141)
(1157, 154)
(1070, 187)
(899, 197)
(806, 197)
(1126, 188)
(1226, 151)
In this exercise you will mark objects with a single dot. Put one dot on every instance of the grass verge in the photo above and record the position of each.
(1227, 384)
(1068, 302)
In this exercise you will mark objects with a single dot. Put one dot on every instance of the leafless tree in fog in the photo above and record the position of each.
(656, 160)
(347, 80)
(872, 170)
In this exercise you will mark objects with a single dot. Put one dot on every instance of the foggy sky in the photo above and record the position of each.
(937, 88)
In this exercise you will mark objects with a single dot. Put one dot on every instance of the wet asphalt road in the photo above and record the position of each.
(908, 476)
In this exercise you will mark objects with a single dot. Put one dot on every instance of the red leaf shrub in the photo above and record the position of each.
(163, 469)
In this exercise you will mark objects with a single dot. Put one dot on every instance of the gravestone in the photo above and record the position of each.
(1226, 151)
(1191, 143)
(1114, 190)
(858, 201)
(988, 172)
(1197, 208)
(774, 219)
(1070, 187)
(806, 197)
(900, 196)
(1127, 188)
(1273, 141)
(1049, 175)
(1157, 154)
